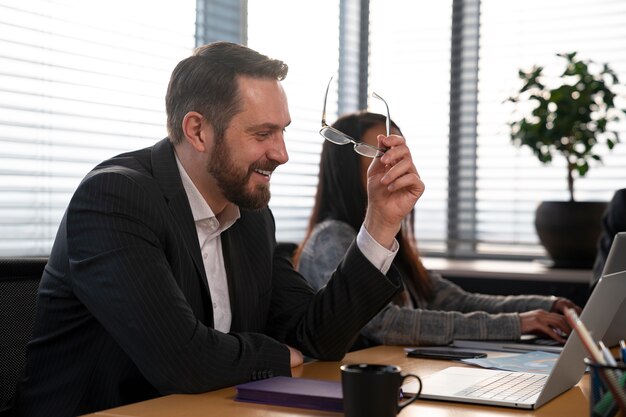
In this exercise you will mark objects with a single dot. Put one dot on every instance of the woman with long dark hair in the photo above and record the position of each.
(430, 310)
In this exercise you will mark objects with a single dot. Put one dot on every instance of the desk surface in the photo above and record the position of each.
(572, 403)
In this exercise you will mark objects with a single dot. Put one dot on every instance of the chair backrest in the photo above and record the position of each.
(19, 280)
(286, 250)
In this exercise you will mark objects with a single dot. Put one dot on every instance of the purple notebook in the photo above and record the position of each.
(293, 392)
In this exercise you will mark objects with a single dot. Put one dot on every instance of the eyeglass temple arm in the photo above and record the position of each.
(326, 98)
(388, 121)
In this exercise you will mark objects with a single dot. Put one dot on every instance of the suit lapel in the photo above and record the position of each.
(165, 171)
(248, 250)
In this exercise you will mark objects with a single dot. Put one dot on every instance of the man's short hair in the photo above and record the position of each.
(206, 82)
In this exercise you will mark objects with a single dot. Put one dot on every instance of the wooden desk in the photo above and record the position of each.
(572, 403)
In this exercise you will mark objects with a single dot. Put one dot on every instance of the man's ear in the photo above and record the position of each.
(194, 131)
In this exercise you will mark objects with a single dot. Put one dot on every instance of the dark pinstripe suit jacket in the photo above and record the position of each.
(124, 311)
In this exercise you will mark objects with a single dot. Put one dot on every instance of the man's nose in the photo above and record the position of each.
(278, 152)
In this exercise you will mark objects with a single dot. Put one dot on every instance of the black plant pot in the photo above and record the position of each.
(569, 231)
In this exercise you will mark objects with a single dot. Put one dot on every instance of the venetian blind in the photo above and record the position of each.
(482, 191)
(510, 181)
(410, 68)
(79, 82)
(312, 61)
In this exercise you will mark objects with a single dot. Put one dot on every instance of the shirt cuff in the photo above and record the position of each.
(378, 255)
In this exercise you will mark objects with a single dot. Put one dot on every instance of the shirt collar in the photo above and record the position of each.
(200, 209)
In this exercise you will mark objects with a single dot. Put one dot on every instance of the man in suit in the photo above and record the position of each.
(163, 277)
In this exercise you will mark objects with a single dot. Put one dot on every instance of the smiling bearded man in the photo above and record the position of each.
(164, 276)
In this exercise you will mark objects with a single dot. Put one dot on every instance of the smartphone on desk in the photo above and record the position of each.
(444, 353)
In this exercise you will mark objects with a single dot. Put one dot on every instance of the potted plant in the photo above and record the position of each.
(572, 119)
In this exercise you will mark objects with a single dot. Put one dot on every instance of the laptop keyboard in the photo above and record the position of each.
(506, 386)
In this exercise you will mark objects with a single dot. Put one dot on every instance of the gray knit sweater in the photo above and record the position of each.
(452, 313)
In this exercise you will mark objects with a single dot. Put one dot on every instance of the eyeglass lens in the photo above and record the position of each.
(334, 136)
(367, 150)
(339, 138)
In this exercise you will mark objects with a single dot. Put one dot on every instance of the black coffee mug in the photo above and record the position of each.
(374, 390)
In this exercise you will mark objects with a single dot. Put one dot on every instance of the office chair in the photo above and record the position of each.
(19, 279)
(286, 250)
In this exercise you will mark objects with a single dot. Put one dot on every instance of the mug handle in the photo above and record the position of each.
(401, 405)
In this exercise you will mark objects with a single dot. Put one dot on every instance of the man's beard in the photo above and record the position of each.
(233, 181)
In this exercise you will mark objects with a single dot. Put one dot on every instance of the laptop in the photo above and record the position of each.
(616, 263)
(613, 262)
(604, 315)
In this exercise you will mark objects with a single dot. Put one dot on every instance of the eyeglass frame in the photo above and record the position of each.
(357, 144)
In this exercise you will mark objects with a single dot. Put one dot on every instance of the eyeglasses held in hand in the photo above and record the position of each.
(339, 138)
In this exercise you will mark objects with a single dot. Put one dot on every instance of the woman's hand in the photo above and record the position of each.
(560, 304)
(545, 323)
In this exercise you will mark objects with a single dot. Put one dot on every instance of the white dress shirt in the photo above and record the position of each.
(209, 227)
(377, 254)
